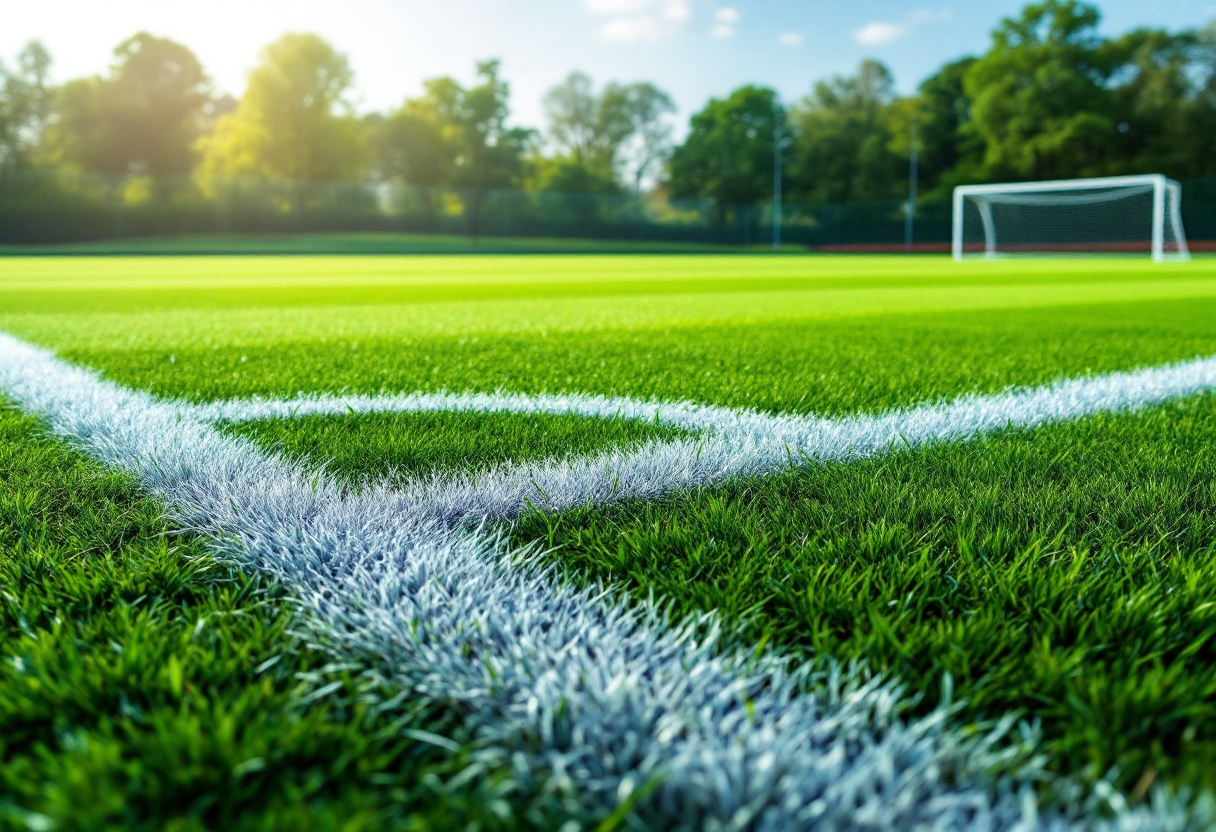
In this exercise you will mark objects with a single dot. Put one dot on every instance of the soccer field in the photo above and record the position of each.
(660, 541)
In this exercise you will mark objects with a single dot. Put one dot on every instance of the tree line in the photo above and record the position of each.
(1050, 98)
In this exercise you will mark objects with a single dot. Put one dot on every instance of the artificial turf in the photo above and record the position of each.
(1062, 572)
(397, 446)
(145, 686)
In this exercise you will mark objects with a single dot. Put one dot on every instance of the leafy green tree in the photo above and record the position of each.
(573, 112)
(143, 118)
(843, 149)
(293, 121)
(949, 152)
(25, 96)
(622, 131)
(487, 152)
(647, 110)
(728, 154)
(567, 175)
(463, 133)
(410, 146)
(1164, 125)
(1202, 117)
(1042, 106)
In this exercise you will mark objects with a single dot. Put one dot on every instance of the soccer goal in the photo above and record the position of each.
(1117, 214)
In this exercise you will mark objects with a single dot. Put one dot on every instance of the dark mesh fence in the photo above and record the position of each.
(42, 208)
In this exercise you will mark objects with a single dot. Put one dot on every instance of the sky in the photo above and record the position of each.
(694, 49)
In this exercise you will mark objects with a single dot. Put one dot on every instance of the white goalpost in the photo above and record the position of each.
(1110, 215)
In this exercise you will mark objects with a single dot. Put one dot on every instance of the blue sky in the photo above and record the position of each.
(692, 48)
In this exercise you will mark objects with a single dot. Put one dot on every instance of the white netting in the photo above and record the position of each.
(1129, 215)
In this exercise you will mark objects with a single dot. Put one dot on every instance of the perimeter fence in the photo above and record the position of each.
(52, 207)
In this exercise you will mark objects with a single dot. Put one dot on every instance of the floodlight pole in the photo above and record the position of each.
(910, 211)
(776, 177)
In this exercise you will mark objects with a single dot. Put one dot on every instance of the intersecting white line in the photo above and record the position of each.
(733, 441)
(596, 697)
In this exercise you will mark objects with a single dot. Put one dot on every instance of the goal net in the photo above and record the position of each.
(1120, 214)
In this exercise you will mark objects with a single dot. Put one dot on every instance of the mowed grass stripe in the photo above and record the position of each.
(1063, 572)
(560, 273)
(827, 367)
(145, 686)
(749, 277)
(180, 301)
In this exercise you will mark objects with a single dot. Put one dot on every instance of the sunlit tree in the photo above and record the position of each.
(293, 121)
(844, 146)
(142, 118)
(25, 95)
(1041, 102)
(728, 154)
(622, 132)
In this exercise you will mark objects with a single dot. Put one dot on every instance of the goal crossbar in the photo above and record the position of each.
(1166, 214)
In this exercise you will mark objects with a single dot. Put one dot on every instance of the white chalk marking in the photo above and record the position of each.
(597, 696)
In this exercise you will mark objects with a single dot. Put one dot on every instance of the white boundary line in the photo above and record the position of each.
(596, 696)
(734, 442)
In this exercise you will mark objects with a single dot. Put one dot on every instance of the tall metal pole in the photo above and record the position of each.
(776, 177)
(910, 211)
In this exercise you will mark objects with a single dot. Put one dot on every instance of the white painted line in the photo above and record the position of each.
(736, 442)
(593, 696)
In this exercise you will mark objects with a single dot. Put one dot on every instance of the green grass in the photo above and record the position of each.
(397, 446)
(838, 365)
(144, 686)
(363, 243)
(1064, 573)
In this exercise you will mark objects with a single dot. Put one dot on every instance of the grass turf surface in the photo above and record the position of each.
(1063, 572)
(396, 446)
(360, 243)
(145, 686)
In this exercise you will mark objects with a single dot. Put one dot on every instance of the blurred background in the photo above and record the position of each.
(501, 125)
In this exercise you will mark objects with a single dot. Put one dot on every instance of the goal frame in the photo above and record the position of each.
(1163, 188)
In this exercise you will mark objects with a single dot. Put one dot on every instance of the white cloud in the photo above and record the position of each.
(881, 31)
(878, 32)
(790, 39)
(677, 10)
(631, 28)
(638, 20)
(614, 7)
(725, 18)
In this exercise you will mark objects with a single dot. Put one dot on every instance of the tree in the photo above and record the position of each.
(484, 151)
(573, 112)
(24, 105)
(1163, 123)
(949, 152)
(409, 146)
(1042, 107)
(844, 147)
(293, 121)
(1203, 107)
(144, 117)
(565, 175)
(728, 154)
(648, 110)
(625, 126)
